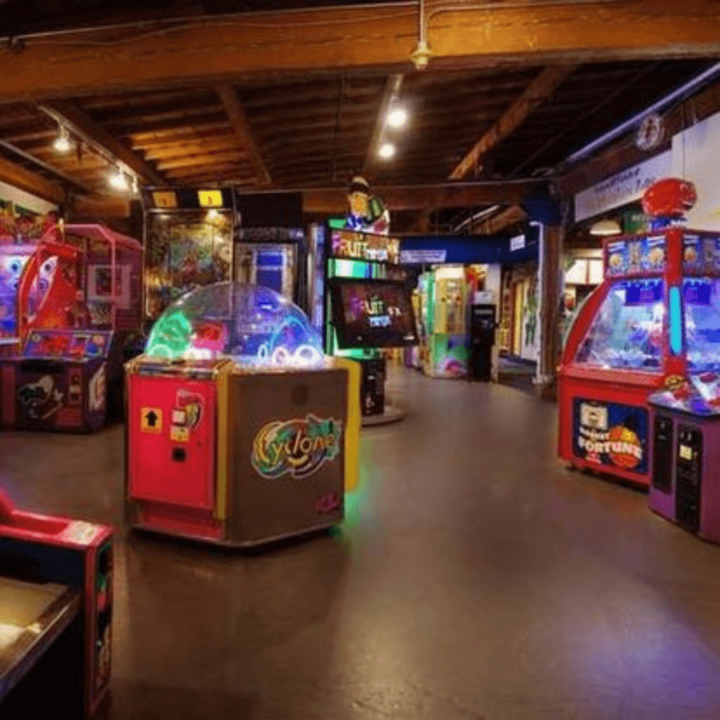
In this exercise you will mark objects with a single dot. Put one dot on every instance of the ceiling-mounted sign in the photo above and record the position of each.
(422, 257)
(517, 243)
(166, 199)
(623, 187)
(210, 198)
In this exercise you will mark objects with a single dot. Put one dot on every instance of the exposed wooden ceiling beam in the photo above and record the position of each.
(106, 206)
(537, 92)
(55, 168)
(421, 224)
(390, 93)
(501, 221)
(235, 112)
(31, 182)
(420, 197)
(98, 138)
(218, 49)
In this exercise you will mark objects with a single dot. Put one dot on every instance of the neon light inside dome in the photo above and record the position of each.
(675, 321)
(171, 335)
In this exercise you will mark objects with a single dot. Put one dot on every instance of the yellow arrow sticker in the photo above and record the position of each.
(151, 420)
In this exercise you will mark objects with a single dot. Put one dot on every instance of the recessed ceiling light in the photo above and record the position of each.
(386, 151)
(397, 117)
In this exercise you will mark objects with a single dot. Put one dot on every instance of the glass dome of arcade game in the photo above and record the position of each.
(253, 325)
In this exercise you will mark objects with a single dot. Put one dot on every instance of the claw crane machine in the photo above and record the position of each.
(641, 331)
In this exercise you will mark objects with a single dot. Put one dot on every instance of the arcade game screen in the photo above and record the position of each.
(627, 332)
(372, 313)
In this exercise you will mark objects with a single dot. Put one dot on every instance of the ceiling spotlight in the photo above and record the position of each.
(386, 151)
(62, 141)
(118, 180)
(397, 117)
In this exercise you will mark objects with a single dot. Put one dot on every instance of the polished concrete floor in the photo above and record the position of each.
(475, 578)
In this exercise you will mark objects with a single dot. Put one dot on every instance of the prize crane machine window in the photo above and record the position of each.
(702, 324)
(450, 307)
(627, 332)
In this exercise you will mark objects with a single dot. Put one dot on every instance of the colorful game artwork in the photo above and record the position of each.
(636, 256)
(611, 434)
(185, 251)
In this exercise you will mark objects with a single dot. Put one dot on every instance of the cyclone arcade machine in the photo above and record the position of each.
(240, 431)
(639, 382)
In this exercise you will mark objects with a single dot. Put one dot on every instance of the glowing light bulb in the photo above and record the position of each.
(386, 151)
(397, 117)
(118, 180)
(62, 141)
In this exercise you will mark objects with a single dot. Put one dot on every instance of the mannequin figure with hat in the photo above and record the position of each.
(367, 213)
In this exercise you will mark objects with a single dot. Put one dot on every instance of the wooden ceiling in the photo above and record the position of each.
(492, 124)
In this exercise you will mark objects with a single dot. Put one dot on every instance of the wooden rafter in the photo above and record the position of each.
(501, 221)
(420, 197)
(391, 91)
(217, 49)
(98, 138)
(234, 109)
(534, 95)
(31, 182)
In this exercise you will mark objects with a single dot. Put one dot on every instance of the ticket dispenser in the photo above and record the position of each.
(685, 485)
(482, 339)
(44, 549)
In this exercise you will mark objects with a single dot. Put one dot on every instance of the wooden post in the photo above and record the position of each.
(550, 277)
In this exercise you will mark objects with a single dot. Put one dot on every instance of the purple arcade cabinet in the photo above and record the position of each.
(685, 485)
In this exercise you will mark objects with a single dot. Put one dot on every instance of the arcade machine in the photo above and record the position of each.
(271, 249)
(649, 323)
(447, 294)
(78, 304)
(13, 260)
(56, 602)
(188, 242)
(239, 430)
(361, 250)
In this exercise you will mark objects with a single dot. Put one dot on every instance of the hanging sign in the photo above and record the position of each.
(623, 187)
